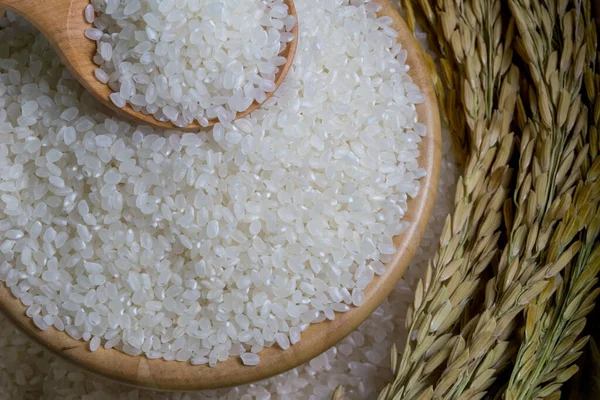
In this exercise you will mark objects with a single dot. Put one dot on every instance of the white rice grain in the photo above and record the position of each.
(168, 59)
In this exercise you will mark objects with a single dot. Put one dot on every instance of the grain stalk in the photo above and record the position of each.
(469, 239)
(448, 83)
(552, 340)
(549, 169)
(472, 65)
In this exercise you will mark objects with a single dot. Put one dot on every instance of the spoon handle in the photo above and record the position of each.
(49, 16)
(62, 22)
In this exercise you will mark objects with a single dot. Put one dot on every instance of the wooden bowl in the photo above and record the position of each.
(172, 375)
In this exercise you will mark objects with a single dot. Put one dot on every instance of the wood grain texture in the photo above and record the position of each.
(171, 375)
(63, 23)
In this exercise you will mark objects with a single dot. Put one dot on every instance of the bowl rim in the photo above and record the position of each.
(183, 376)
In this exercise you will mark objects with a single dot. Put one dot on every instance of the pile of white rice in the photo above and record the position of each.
(360, 362)
(189, 60)
(28, 372)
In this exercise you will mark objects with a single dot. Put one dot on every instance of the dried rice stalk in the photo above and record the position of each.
(547, 224)
(586, 384)
(472, 65)
(552, 341)
(448, 84)
(549, 169)
(470, 235)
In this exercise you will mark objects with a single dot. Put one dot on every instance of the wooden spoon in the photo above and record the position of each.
(172, 375)
(62, 22)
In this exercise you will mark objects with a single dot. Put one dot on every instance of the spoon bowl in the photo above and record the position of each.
(62, 22)
(183, 376)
